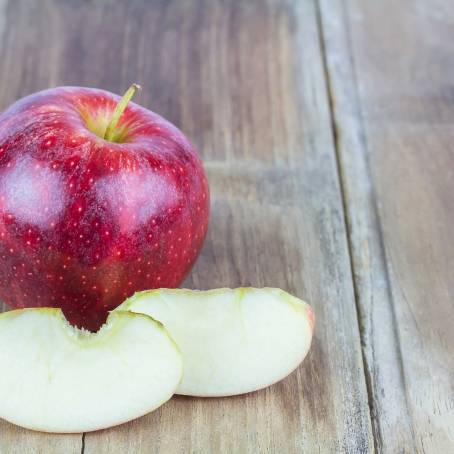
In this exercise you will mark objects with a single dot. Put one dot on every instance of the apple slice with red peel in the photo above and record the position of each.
(56, 378)
(232, 341)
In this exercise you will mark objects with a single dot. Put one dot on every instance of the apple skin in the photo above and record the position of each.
(85, 222)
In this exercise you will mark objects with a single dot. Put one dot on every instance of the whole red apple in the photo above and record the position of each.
(99, 198)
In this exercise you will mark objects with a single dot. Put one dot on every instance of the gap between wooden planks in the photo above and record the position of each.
(390, 76)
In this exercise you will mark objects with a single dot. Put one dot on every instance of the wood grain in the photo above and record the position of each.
(245, 80)
(390, 417)
(391, 69)
(247, 84)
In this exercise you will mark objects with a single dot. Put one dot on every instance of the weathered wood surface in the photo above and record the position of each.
(245, 81)
(246, 85)
(310, 117)
(391, 71)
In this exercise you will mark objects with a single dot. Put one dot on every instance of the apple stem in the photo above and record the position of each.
(121, 106)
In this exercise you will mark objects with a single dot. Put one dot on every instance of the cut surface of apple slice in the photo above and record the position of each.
(56, 378)
(232, 341)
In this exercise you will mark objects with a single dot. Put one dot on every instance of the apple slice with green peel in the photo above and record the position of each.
(232, 341)
(56, 378)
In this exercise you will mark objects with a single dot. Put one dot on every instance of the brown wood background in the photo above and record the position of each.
(326, 128)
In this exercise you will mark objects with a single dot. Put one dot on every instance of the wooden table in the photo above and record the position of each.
(326, 128)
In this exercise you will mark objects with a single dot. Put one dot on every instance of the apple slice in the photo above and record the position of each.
(232, 341)
(56, 378)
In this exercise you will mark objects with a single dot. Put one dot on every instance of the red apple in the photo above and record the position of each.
(99, 198)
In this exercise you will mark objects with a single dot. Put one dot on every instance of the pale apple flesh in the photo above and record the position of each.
(56, 378)
(232, 341)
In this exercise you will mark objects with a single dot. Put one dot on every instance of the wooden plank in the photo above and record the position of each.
(15, 440)
(390, 418)
(391, 73)
(245, 81)
(22, 43)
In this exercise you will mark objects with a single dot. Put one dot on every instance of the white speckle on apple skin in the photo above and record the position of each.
(32, 193)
